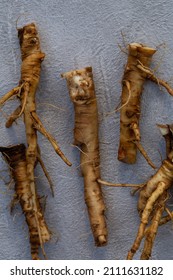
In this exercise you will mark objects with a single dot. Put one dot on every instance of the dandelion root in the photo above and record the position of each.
(30, 74)
(152, 229)
(81, 88)
(132, 86)
(152, 199)
(161, 187)
(28, 198)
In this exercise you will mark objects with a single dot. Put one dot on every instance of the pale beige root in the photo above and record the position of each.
(150, 235)
(132, 85)
(28, 198)
(30, 74)
(161, 187)
(82, 93)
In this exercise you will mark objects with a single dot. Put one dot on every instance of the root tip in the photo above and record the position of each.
(101, 240)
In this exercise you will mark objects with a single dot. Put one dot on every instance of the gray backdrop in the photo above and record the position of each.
(75, 34)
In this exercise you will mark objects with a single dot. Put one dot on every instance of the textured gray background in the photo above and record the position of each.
(75, 34)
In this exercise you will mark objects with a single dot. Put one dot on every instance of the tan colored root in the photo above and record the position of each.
(13, 117)
(120, 185)
(151, 204)
(81, 88)
(39, 126)
(164, 173)
(132, 85)
(152, 230)
(45, 173)
(153, 78)
(30, 72)
(38, 231)
(152, 200)
(10, 94)
(25, 95)
(32, 58)
(161, 187)
(18, 111)
(135, 128)
(143, 152)
(148, 245)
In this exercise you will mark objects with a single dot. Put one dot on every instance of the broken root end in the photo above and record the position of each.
(101, 240)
